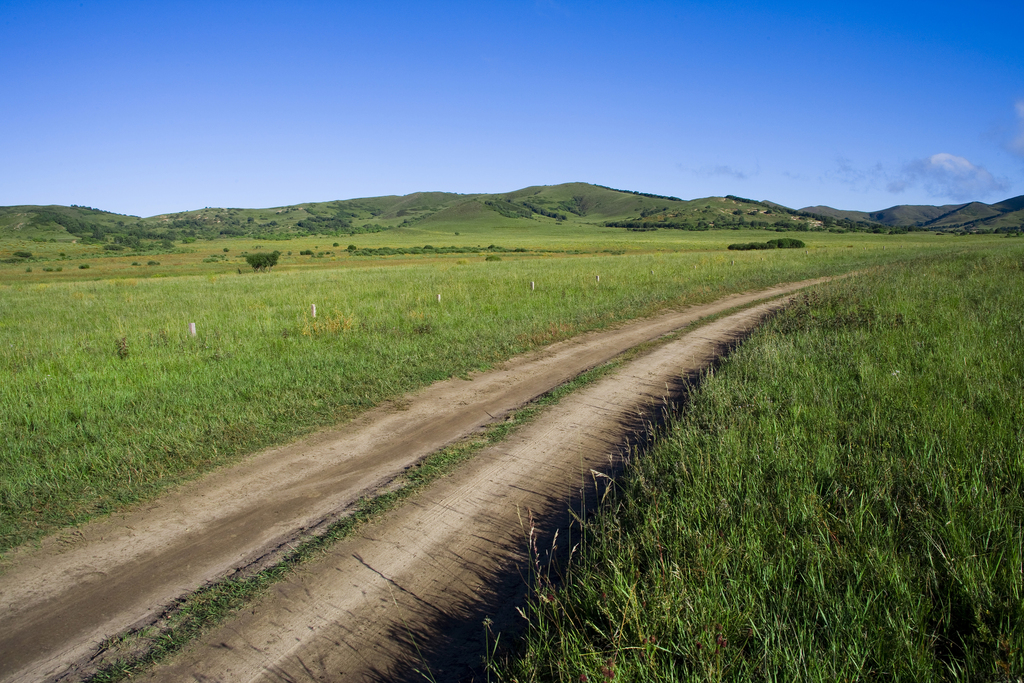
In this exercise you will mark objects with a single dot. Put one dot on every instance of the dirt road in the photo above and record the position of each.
(434, 562)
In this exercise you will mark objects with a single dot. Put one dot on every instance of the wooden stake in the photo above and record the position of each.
(598, 278)
(532, 286)
(438, 298)
(312, 309)
(192, 329)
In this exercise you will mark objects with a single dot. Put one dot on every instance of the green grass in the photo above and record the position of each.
(541, 241)
(109, 399)
(842, 500)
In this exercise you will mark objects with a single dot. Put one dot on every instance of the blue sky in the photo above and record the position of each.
(152, 107)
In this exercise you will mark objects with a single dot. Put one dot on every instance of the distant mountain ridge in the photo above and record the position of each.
(1007, 214)
(579, 203)
(576, 203)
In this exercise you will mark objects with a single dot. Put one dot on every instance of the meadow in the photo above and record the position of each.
(108, 399)
(842, 499)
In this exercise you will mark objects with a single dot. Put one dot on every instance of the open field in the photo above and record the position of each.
(210, 258)
(83, 587)
(109, 399)
(841, 500)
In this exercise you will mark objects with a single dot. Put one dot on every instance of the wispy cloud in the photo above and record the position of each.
(942, 175)
(860, 179)
(947, 175)
(720, 170)
(1017, 145)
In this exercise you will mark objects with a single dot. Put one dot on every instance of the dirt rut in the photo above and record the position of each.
(59, 601)
(409, 594)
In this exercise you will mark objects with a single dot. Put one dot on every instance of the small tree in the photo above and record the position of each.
(263, 261)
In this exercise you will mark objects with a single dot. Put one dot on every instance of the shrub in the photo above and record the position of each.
(153, 263)
(263, 261)
(23, 254)
(787, 243)
(336, 244)
(781, 243)
(304, 252)
(135, 263)
(113, 247)
(352, 247)
(492, 257)
(29, 269)
(83, 266)
(226, 250)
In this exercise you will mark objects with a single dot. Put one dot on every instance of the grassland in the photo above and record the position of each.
(109, 399)
(841, 500)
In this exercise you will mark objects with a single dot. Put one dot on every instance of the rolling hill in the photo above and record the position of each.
(972, 216)
(579, 203)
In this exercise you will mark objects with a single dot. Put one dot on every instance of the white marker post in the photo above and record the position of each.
(312, 309)
(598, 278)
(192, 329)
(532, 286)
(438, 298)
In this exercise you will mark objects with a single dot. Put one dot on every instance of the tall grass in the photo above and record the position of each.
(842, 500)
(107, 398)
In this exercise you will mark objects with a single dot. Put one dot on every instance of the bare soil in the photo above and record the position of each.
(408, 592)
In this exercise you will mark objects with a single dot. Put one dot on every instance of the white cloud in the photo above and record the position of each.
(947, 175)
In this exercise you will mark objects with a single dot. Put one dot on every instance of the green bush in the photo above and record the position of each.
(781, 243)
(492, 257)
(83, 266)
(263, 261)
(787, 243)
(23, 254)
(153, 263)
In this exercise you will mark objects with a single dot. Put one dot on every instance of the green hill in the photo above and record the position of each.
(577, 203)
(53, 222)
(972, 216)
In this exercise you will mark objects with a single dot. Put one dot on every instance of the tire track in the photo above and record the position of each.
(59, 601)
(410, 593)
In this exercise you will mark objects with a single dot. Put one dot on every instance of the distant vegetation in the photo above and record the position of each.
(577, 203)
(782, 243)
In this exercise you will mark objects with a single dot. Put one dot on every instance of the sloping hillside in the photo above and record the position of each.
(1007, 214)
